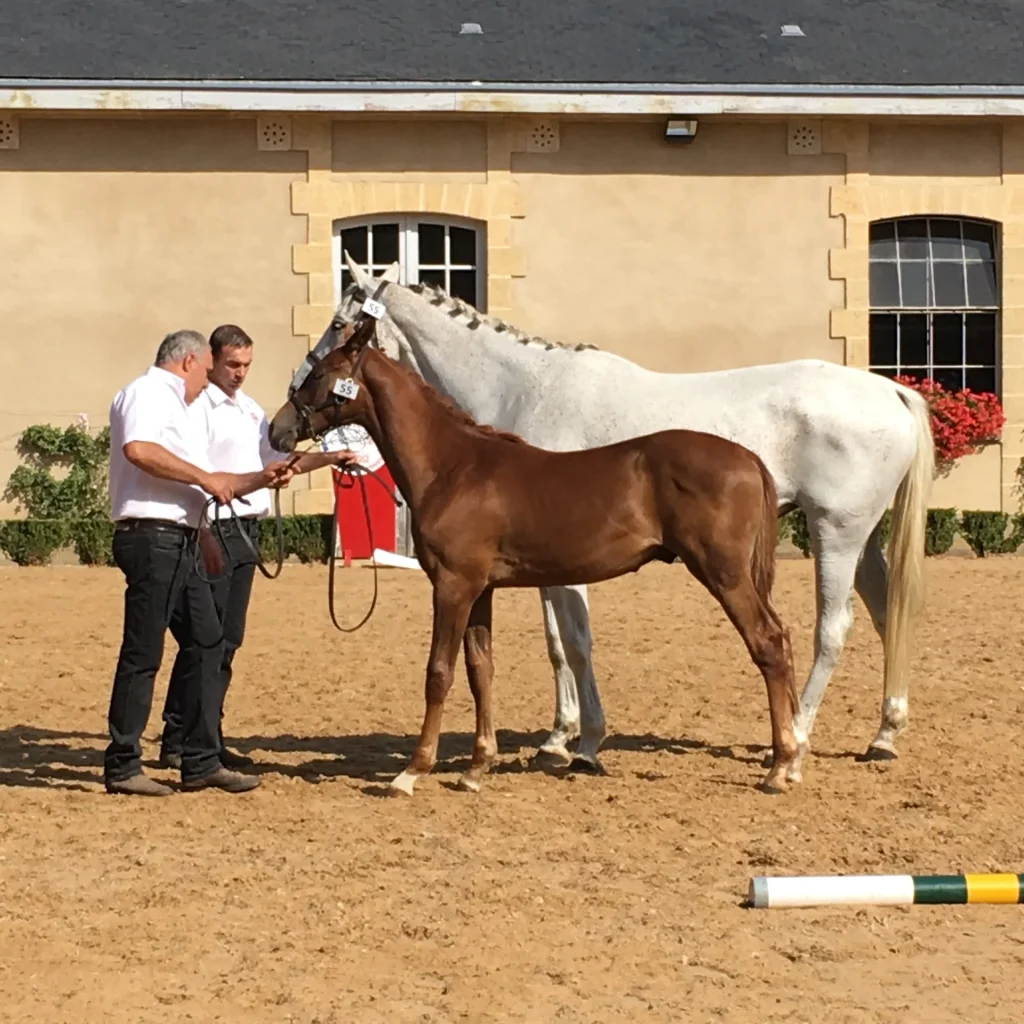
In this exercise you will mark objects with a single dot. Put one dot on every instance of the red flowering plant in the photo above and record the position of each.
(962, 421)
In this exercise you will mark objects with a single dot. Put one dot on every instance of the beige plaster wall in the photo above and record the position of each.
(437, 151)
(968, 169)
(717, 249)
(729, 251)
(115, 231)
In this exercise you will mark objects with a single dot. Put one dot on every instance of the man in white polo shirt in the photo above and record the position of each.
(160, 479)
(237, 432)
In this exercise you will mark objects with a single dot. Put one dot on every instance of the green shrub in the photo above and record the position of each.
(785, 527)
(308, 538)
(93, 541)
(800, 534)
(30, 542)
(941, 530)
(986, 532)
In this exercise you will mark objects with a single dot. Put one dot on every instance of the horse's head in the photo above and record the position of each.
(363, 286)
(331, 394)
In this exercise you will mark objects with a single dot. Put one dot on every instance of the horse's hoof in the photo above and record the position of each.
(774, 784)
(552, 757)
(468, 785)
(880, 751)
(402, 785)
(591, 766)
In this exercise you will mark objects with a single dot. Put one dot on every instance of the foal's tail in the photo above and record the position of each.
(762, 568)
(762, 563)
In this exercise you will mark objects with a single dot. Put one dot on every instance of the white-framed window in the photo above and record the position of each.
(445, 251)
(934, 296)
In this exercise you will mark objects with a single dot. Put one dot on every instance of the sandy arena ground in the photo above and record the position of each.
(547, 897)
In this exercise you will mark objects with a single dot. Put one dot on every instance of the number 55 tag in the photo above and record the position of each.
(371, 307)
(347, 388)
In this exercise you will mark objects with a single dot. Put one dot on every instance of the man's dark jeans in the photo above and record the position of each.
(163, 589)
(231, 593)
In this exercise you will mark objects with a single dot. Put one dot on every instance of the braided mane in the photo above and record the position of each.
(458, 309)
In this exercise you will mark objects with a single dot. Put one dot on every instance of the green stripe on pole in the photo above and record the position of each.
(940, 889)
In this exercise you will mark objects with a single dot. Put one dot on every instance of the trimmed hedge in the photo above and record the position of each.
(984, 532)
(308, 538)
(33, 542)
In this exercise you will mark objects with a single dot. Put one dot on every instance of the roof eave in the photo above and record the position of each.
(513, 97)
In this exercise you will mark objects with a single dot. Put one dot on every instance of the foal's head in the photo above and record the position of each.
(332, 394)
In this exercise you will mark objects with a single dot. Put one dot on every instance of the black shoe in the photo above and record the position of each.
(138, 785)
(230, 782)
(230, 759)
(170, 760)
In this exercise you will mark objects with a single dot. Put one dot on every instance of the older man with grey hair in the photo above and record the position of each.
(160, 480)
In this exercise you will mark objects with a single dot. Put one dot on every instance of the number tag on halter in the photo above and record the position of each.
(371, 307)
(347, 388)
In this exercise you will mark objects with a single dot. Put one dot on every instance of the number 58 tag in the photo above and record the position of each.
(371, 307)
(347, 388)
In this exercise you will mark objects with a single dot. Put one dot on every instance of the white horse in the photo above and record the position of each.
(841, 444)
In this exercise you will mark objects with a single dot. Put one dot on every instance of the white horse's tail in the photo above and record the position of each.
(906, 559)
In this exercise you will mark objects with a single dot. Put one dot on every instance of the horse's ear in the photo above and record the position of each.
(392, 273)
(360, 276)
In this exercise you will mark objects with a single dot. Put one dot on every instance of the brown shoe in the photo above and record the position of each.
(230, 759)
(138, 785)
(231, 782)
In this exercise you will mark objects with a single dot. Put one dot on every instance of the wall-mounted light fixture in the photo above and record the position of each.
(680, 131)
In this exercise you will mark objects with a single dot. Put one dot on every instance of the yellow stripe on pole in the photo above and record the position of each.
(992, 888)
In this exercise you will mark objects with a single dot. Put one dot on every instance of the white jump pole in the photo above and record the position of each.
(884, 890)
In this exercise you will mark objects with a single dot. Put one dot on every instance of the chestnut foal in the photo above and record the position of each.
(489, 510)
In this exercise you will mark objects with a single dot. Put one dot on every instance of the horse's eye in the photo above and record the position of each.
(337, 325)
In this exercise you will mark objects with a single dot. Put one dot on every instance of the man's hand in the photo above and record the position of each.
(343, 458)
(213, 556)
(221, 486)
(279, 474)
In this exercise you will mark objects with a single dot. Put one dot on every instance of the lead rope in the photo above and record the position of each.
(354, 470)
(358, 472)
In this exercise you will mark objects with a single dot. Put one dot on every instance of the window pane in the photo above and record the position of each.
(385, 244)
(882, 351)
(981, 338)
(950, 379)
(979, 240)
(914, 372)
(883, 241)
(884, 371)
(981, 284)
(463, 243)
(432, 277)
(431, 244)
(914, 278)
(946, 244)
(947, 339)
(948, 282)
(346, 278)
(913, 339)
(464, 285)
(913, 238)
(981, 380)
(353, 241)
(885, 287)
